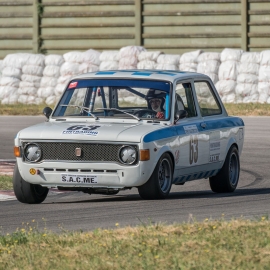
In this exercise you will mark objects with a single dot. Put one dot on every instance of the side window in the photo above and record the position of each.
(206, 99)
(184, 95)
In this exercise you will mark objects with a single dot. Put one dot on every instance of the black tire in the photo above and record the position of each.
(26, 192)
(159, 184)
(227, 178)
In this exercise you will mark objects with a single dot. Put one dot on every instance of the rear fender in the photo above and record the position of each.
(231, 141)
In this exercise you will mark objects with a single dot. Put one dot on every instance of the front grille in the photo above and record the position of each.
(93, 152)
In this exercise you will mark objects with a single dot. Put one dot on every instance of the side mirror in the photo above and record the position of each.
(180, 115)
(47, 111)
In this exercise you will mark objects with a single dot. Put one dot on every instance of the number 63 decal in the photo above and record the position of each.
(193, 149)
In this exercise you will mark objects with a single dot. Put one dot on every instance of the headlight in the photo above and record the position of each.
(128, 155)
(32, 152)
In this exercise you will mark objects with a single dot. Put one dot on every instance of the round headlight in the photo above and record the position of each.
(128, 155)
(32, 152)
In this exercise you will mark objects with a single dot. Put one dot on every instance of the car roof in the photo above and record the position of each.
(153, 74)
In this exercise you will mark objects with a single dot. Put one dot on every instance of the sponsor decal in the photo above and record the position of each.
(214, 150)
(214, 145)
(193, 149)
(79, 179)
(72, 85)
(81, 130)
(177, 154)
(214, 158)
(192, 129)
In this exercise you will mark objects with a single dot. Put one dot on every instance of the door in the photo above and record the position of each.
(193, 140)
(211, 112)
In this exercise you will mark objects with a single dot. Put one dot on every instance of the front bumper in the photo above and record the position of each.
(109, 175)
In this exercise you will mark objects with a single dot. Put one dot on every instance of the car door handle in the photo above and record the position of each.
(203, 125)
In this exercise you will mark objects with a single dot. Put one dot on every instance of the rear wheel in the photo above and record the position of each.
(227, 178)
(26, 192)
(159, 184)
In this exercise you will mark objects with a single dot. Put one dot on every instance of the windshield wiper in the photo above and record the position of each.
(83, 109)
(114, 109)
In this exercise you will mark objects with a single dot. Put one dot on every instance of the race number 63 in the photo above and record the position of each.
(193, 149)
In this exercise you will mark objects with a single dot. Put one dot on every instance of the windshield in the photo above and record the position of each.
(139, 99)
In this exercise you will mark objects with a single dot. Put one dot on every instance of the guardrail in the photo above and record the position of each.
(174, 26)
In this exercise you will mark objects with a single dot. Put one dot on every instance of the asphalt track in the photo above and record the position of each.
(193, 201)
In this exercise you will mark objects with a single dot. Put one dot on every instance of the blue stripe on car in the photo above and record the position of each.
(105, 73)
(129, 70)
(161, 85)
(190, 177)
(178, 130)
(142, 73)
(160, 134)
(200, 176)
(182, 178)
(166, 73)
(224, 123)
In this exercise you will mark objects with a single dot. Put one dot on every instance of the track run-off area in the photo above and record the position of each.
(193, 201)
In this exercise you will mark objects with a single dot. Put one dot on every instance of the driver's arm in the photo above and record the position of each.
(160, 115)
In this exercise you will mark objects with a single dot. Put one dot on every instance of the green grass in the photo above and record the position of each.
(238, 244)
(248, 109)
(21, 109)
(6, 182)
(255, 109)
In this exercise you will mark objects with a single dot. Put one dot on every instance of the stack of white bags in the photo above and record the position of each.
(76, 63)
(34, 78)
(227, 74)
(247, 80)
(32, 73)
(129, 57)
(189, 61)
(208, 64)
(168, 61)
(148, 60)
(11, 77)
(51, 73)
(109, 60)
(264, 77)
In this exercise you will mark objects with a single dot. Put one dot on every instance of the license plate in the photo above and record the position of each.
(79, 179)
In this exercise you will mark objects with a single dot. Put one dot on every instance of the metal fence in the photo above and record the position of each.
(172, 26)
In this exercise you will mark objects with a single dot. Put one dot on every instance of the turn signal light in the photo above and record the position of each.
(17, 151)
(144, 154)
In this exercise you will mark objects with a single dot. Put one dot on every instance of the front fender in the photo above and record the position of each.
(164, 149)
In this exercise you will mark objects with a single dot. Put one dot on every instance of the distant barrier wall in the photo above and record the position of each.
(173, 26)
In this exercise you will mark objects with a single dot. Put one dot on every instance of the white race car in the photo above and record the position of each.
(115, 130)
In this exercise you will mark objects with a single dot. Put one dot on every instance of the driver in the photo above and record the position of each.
(155, 104)
(156, 99)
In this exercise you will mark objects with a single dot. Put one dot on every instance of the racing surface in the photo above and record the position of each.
(192, 201)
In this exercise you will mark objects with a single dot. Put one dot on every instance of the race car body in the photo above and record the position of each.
(117, 130)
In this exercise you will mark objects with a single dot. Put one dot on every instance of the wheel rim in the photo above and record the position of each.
(164, 175)
(233, 169)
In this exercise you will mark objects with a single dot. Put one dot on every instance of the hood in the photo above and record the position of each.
(124, 132)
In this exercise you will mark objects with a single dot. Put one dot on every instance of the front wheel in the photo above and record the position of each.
(227, 178)
(159, 184)
(26, 192)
